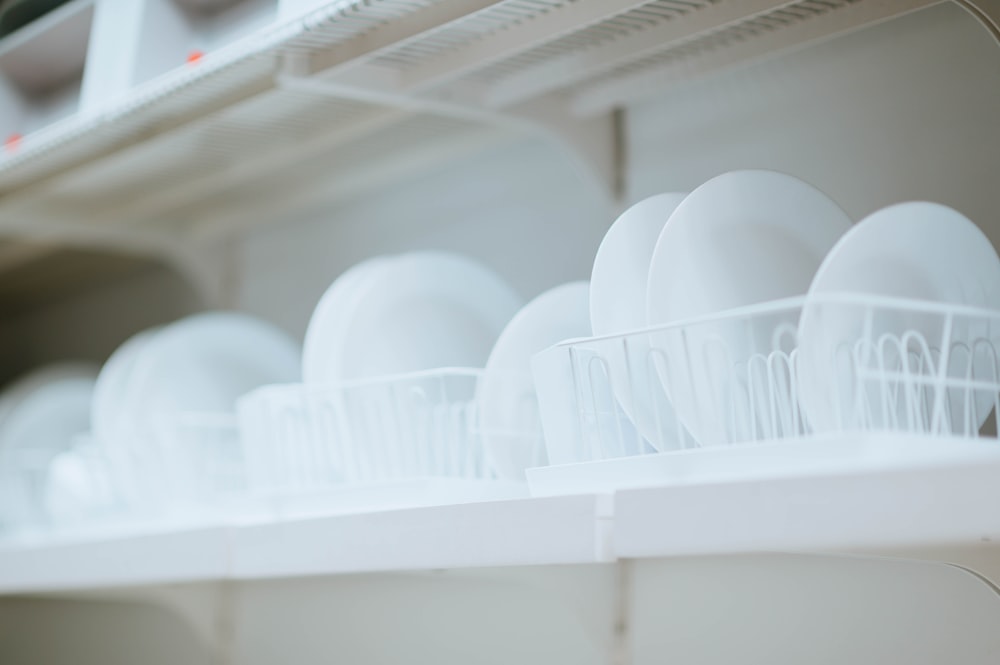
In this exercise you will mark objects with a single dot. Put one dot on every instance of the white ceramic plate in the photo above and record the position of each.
(916, 251)
(204, 363)
(192, 371)
(741, 238)
(507, 406)
(42, 414)
(621, 268)
(327, 324)
(618, 305)
(417, 311)
(111, 392)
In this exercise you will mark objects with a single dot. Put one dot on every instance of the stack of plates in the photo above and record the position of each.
(164, 402)
(379, 362)
(739, 239)
(407, 313)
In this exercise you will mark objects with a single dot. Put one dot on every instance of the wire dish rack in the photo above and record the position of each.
(402, 440)
(288, 450)
(843, 382)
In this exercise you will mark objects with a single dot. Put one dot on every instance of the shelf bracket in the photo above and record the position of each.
(596, 143)
(987, 12)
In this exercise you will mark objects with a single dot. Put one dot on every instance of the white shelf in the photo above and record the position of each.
(915, 508)
(943, 514)
(173, 31)
(160, 558)
(562, 530)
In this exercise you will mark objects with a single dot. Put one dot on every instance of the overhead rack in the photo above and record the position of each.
(346, 89)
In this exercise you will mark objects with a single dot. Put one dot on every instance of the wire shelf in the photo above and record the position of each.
(844, 367)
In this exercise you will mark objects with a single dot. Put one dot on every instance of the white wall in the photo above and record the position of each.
(903, 110)
(520, 208)
(898, 111)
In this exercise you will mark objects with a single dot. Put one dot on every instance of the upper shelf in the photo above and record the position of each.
(307, 93)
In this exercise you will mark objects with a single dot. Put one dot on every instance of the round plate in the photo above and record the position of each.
(741, 238)
(621, 267)
(508, 412)
(327, 324)
(111, 391)
(37, 381)
(415, 312)
(42, 414)
(618, 305)
(914, 251)
(204, 363)
(192, 371)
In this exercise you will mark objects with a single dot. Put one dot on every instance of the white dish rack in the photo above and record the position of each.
(411, 437)
(903, 383)
(289, 451)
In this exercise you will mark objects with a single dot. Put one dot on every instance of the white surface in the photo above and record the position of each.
(113, 562)
(353, 498)
(764, 461)
(417, 311)
(916, 507)
(919, 251)
(741, 238)
(171, 30)
(508, 411)
(520, 532)
(561, 530)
